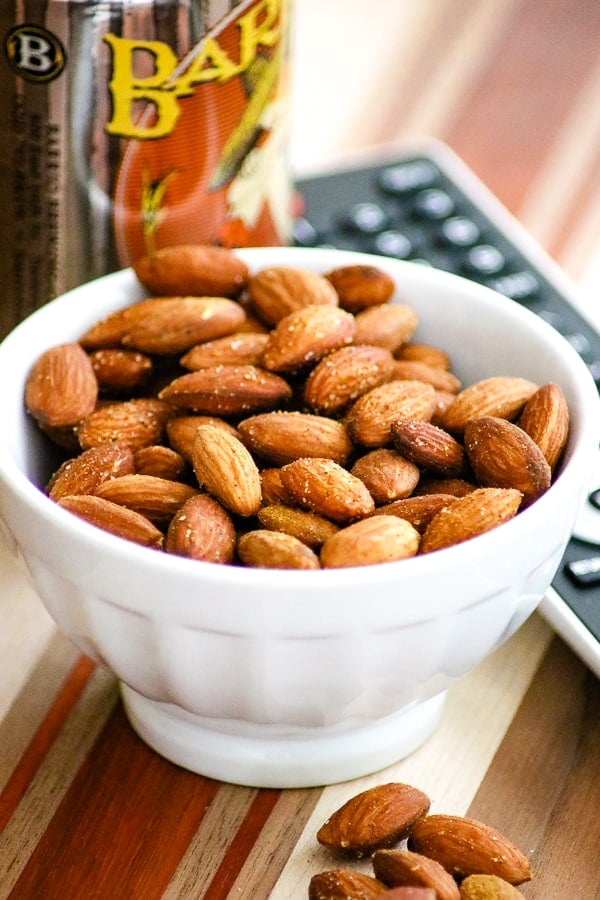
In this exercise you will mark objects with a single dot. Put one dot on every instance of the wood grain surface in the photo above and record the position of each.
(86, 809)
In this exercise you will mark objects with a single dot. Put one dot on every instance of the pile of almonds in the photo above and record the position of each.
(284, 419)
(443, 857)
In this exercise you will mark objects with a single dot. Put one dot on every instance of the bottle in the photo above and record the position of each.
(128, 126)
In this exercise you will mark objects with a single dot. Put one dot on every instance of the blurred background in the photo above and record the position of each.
(513, 86)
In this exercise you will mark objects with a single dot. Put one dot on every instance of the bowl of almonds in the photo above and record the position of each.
(288, 496)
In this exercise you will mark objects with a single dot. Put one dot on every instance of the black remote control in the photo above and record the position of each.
(426, 205)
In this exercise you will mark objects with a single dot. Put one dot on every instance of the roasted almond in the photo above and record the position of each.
(134, 423)
(193, 270)
(225, 468)
(226, 390)
(415, 370)
(160, 461)
(503, 396)
(419, 510)
(387, 474)
(326, 488)
(404, 867)
(475, 513)
(488, 887)
(466, 846)
(378, 539)
(181, 431)
(239, 349)
(370, 418)
(170, 325)
(429, 447)
(273, 491)
(375, 818)
(281, 437)
(264, 549)
(389, 325)
(344, 884)
(409, 892)
(425, 353)
(305, 336)
(503, 455)
(361, 286)
(458, 487)
(545, 418)
(118, 520)
(119, 371)
(156, 498)
(276, 291)
(311, 529)
(85, 473)
(202, 529)
(61, 388)
(345, 374)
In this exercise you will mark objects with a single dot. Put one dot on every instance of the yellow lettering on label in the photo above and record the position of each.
(211, 64)
(126, 89)
(254, 33)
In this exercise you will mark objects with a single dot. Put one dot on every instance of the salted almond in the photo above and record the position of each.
(156, 498)
(326, 488)
(181, 431)
(419, 510)
(160, 461)
(134, 423)
(503, 455)
(118, 520)
(387, 474)
(106, 333)
(471, 515)
(273, 491)
(61, 388)
(311, 529)
(361, 286)
(409, 892)
(442, 400)
(488, 887)
(545, 418)
(170, 325)
(265, 549)
(415, 370)
(369, 420)
(239, 349)
(503, 396)
(378, 539)
(193, 270)
(389, 325)
(404, 867)
(225, 468)
(202, 529)
(280, 437)
(425, 353)
(118, 371)
(429, 447)
(305, 336)
(345, 374)
(457, 487)
(466, 846)
(85, 473)
(227, 390)
(375, 818)
(276, 291)
(344, 884)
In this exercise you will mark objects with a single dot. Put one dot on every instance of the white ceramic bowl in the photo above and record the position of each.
(286, 678)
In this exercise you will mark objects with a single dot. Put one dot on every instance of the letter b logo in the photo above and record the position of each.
(34, 53)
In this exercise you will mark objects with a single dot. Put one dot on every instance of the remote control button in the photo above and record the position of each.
(368, 218)
(551, 317)
(409, 176)
(304, 233)
(585, 572)
(460, 232)
(484, 260)
(587, 525)
(393, 243)
(434, 204)
(520, 286)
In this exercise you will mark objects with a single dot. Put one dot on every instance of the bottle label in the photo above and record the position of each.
(137, 126)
